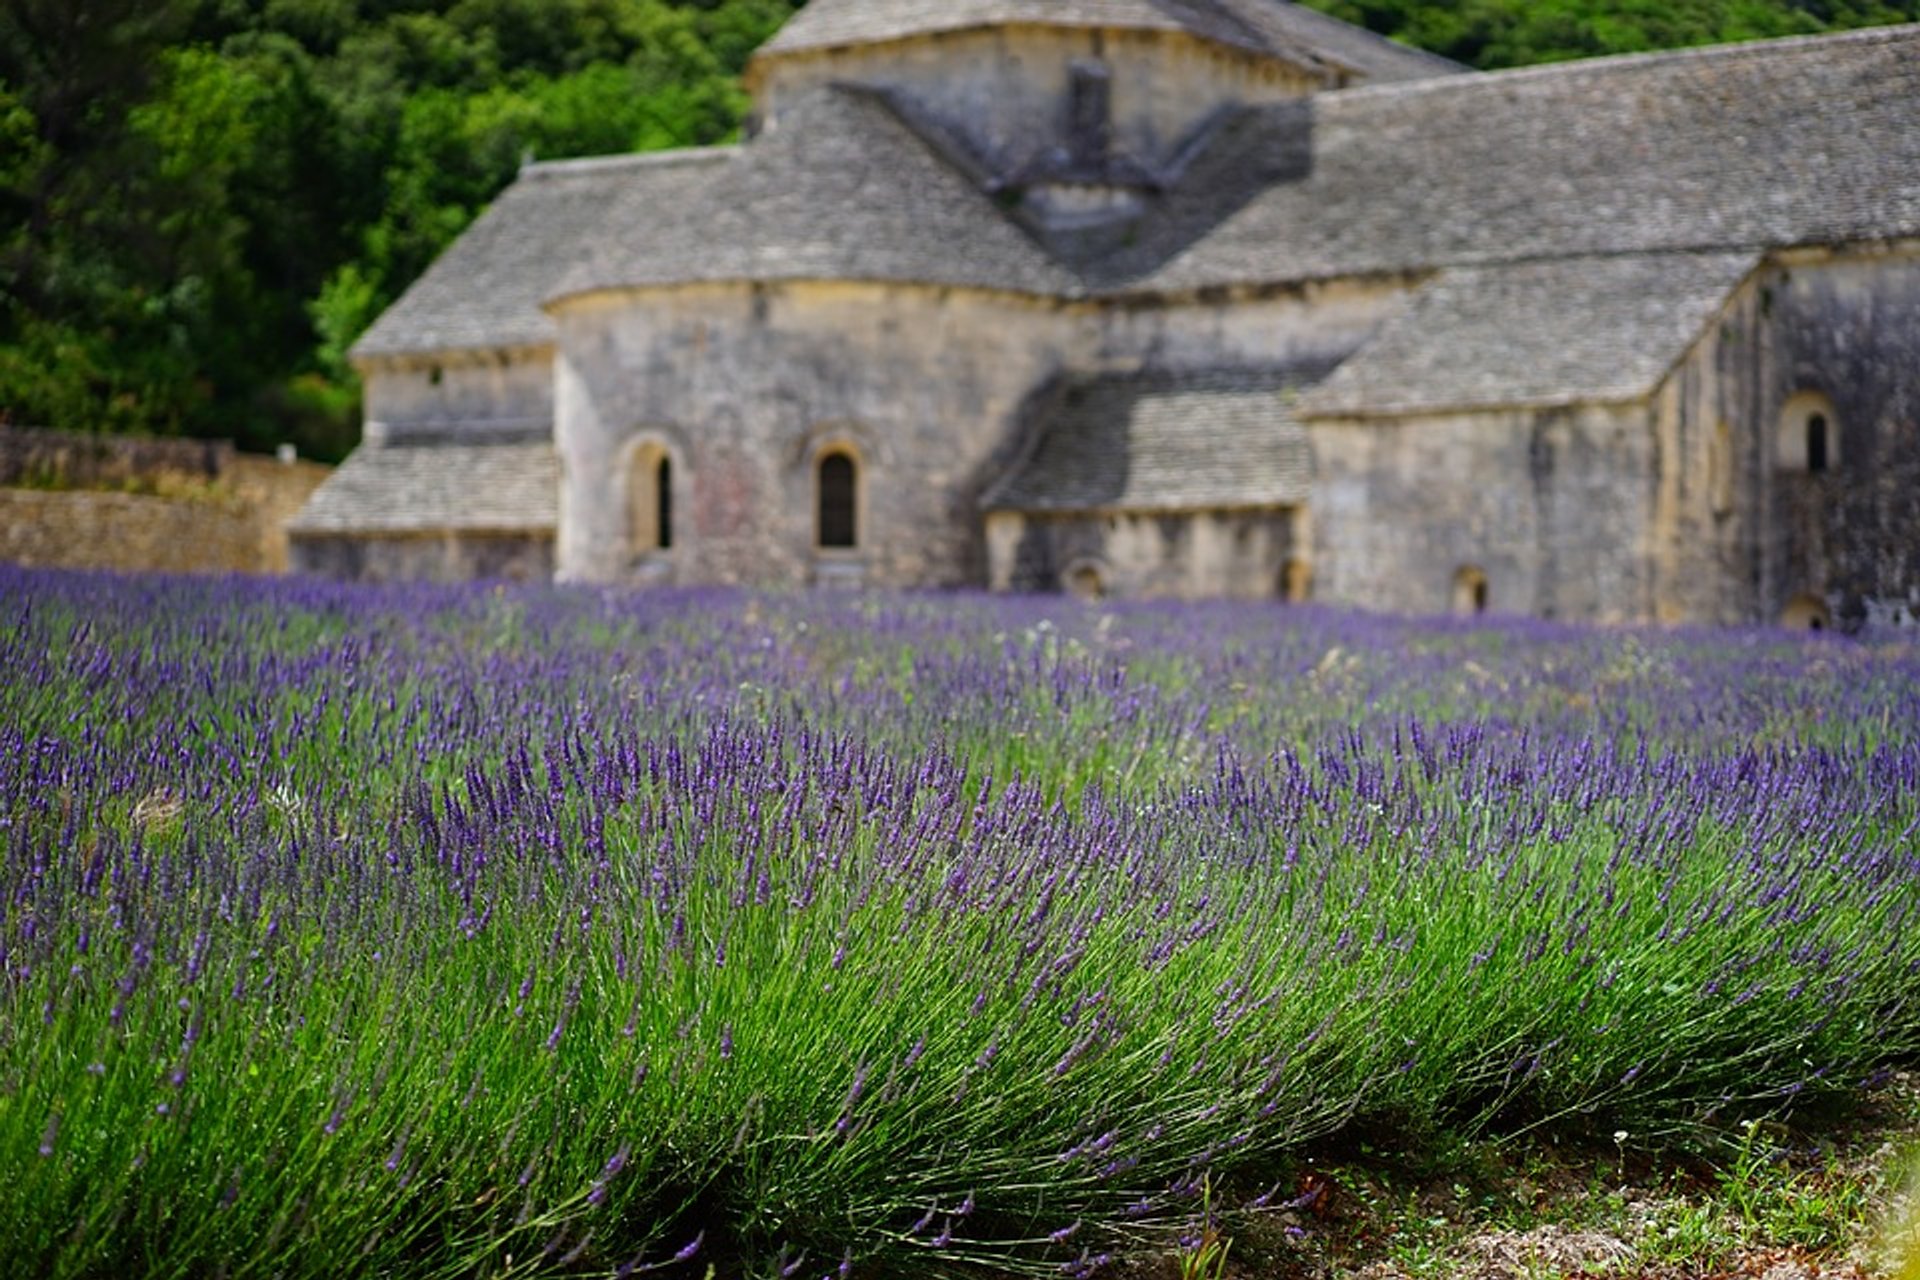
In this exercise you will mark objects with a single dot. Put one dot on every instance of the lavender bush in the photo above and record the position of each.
(456, 932)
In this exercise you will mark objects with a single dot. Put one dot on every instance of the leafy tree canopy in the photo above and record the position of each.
(203, 203)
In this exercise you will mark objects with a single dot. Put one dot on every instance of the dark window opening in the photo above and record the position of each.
(1817, 455)
(663, 504)
(839, 519)
(1470, 593)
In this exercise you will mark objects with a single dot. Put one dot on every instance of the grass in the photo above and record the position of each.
(482, 933)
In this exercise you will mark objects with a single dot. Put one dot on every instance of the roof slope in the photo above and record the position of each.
(485, 291)
(825, 24)
(1380, 60)
(1771, 144)
(1167, 442)
(1572, 331)
(842, 190)
(437, 488)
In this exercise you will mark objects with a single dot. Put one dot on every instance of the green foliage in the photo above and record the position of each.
(204, 202)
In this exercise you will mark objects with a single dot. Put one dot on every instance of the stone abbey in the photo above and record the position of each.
(1189, 298)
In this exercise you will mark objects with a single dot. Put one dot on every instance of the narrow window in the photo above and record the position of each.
(1470, 594)
(838, 515)
(649, 501)
(1817, 460)
(663, 503)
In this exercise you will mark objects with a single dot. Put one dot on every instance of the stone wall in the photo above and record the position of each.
(105, 502)
(459, 395)
(1239, 555)
(743, 388)
(748, 388)
(1550, 507)
(1744, 530)
(431, 557)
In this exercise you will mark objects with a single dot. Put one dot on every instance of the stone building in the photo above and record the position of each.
(1190, 297)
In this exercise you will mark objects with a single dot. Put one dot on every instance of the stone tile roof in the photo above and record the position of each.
(485, 291)
(1379, 59)
(437, 488)
(1269, 27)
(1764, 145)
(1569, 331)
(825, 24)
(1166, 442)
(842, 189)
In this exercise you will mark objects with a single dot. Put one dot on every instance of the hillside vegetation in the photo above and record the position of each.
(204, 202)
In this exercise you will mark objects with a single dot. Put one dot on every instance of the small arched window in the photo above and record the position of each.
(838, 484)
(1470, 592)
(650, 500)
(1809, 437)
(1807, 613)
(1086, 581)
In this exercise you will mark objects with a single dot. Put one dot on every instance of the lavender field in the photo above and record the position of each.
(478, 932)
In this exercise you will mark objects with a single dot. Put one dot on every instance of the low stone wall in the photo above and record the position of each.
(428, 557)
(173, 506)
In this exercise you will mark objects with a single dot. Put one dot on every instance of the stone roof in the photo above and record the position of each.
(1272, 28)
(437, 488)
(1166, 442)
(1774, 144)
(842, 189)
(1569, 331)
(826, 24)
(485, 291)
(1768, 145)
(1380, 60)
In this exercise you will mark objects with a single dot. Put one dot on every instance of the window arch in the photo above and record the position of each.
(1807, 613)
(1470, 592)
(1086, 580)
(1809, 435)
(837, 500)
(650, 523)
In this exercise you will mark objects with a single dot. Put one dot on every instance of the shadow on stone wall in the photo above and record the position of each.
(77, 501)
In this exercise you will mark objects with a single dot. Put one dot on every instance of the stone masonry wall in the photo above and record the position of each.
(745, 389)
(437, 557)
(1741, 532)
(742, 388)
(506, 394)
(98, 502)
(1552, 506)
(1234, 555)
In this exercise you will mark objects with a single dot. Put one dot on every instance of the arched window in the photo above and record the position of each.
(839, 501)
(650, 500)
(1807, 613)
(1086, 581)
(1470, 593)
(1809, 437)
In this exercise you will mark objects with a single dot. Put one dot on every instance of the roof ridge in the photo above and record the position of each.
(1576, 68)
(628, 160)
